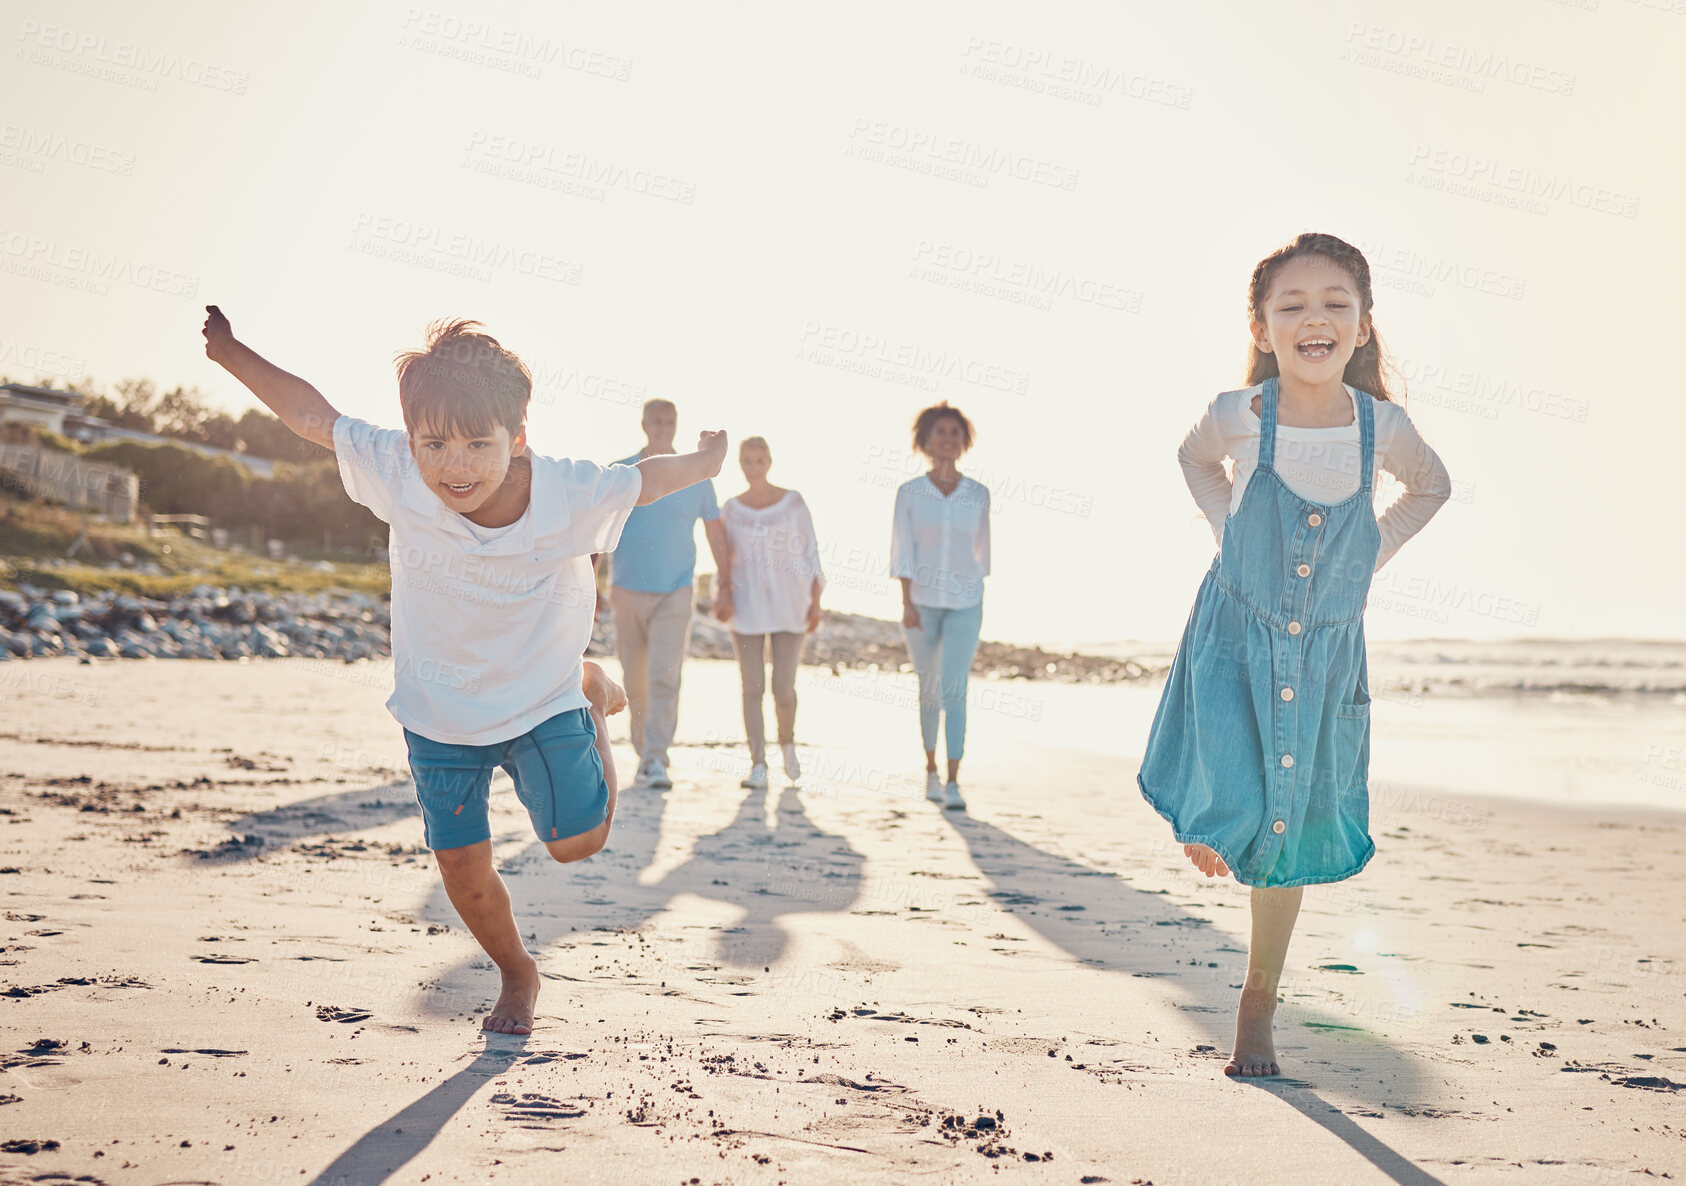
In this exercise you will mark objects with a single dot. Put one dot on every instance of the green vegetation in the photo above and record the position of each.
(301, 502)
(182, 413)
(304, 504)
(34, 534)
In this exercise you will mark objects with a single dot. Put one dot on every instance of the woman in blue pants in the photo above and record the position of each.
(939, 548)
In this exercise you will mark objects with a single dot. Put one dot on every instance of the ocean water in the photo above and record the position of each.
(1579, 723)
(1522, 667)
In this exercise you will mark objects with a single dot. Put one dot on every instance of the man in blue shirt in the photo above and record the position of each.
(650, 593)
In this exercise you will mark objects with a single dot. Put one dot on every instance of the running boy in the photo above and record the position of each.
(492, 599)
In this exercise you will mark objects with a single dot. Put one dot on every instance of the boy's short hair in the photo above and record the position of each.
(656, 405)
(462, 382)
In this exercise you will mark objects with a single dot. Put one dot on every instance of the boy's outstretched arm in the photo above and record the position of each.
(300, 406)
(667, 472)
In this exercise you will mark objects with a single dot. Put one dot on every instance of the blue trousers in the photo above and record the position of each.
(942, 649)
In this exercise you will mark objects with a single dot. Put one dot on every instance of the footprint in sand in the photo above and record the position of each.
(35, 1055)
(223, 959)
(530, 1106)
(1649, 1083)
(832, 1080)
(27, 1146)
(343, 1016)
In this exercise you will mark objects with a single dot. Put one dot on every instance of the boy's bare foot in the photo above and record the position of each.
(1255, 1048)
(513, 1013)
(605, 694)
(1205, 860)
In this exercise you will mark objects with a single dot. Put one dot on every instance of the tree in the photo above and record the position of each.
(265, 436)
(181, 413)
(135, 405)
(178, 481)
(221, 431)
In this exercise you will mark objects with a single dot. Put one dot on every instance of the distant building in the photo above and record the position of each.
(32, 471)
(22, 404)
(61, 411)
(91, 430)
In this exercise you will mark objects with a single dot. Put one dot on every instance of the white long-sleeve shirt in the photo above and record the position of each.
(1318, 464)
(775, 562)
(941, 543)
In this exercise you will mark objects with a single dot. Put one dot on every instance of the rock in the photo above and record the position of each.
(209, 622)
(206, 623)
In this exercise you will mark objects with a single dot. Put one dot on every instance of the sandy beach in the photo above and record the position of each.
(228, 959)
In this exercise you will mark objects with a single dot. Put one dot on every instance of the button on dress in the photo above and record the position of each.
(1260, 748)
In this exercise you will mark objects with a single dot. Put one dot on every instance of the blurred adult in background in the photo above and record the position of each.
(771, 600)
(652, 575)
(939, 548)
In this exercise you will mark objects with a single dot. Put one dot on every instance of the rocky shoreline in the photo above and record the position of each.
(855, 641)
(208, 623)
(213, 622)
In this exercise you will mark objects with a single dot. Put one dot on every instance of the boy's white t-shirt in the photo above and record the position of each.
(489, 625)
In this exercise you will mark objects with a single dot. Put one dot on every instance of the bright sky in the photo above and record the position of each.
(743, 207)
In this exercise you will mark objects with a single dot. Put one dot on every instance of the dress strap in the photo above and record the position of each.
(1267, 425)
(1367, 438)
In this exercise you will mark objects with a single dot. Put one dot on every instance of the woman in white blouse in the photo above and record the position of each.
(772, 600)
(939, 548)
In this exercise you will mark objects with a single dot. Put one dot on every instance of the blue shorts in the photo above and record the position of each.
(557, 771)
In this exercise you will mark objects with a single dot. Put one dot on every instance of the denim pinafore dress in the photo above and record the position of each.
(1260, 749)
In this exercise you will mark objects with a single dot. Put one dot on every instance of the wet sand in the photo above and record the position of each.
(227, 959)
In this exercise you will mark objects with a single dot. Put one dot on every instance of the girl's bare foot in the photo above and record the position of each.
(1255, 1048)
(605, 694)
(1205, 860)
(513, 1012)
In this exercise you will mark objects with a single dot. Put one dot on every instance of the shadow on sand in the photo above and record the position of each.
(1100, 920)
(389, 1146)
(770, 870)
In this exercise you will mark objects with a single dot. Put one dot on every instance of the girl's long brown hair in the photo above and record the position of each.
(1367, 367)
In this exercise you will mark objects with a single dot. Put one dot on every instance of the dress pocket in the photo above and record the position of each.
(1352, 746)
